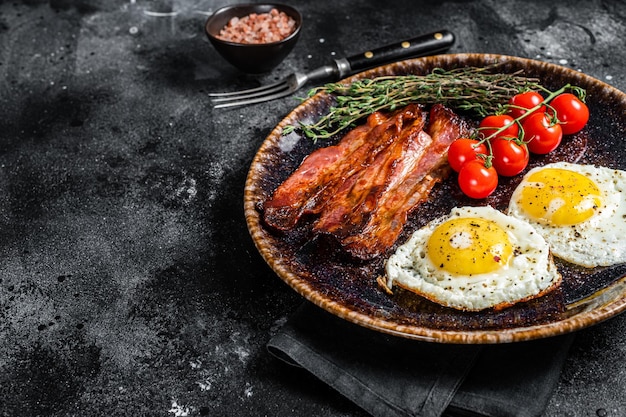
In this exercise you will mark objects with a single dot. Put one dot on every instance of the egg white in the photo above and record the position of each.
(598, 241)
(530, 273)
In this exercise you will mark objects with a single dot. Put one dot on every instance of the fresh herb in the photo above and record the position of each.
(471, 89)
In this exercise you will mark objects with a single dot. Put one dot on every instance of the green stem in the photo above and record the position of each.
(467, 89)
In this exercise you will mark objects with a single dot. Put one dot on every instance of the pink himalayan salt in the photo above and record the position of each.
(257, 28)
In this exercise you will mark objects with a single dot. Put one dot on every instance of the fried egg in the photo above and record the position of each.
(472, 259)
(580, 210)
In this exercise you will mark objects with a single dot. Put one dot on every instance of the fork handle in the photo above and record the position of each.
(428, 44)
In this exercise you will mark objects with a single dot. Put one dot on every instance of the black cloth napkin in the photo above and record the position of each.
(391, 376)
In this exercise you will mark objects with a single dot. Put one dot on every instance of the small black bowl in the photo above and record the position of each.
(252, 58)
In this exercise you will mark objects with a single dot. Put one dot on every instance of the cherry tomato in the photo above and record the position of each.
(491, 124)
(463, 150)
(520, 103)
(476, 180)
(509, 157)
(541, 135)
(571, 112)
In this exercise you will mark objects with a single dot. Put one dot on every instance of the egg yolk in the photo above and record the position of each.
(560, 197)
(468, 246)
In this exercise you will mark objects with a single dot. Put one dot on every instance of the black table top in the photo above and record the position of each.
(129, 284)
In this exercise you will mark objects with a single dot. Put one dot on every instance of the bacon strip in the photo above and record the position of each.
(323, 171)
(349, 208)
(388, 219)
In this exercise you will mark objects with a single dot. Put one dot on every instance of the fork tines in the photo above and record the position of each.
(250, 96)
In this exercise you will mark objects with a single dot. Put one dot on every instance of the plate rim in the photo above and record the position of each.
(569, 324)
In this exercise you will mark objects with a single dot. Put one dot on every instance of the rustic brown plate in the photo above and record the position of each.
(317, 270)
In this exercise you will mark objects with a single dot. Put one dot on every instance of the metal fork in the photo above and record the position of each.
(429, 44)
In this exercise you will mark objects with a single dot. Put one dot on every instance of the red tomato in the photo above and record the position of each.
(571, 112)
(522, 102)
(509, 157)
(541, 135)
(491, 124)
(463, 150)
(476, 180)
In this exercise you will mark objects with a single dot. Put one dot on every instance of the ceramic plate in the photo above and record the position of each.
(349, 290)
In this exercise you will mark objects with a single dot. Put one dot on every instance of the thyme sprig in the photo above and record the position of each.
(470, 89)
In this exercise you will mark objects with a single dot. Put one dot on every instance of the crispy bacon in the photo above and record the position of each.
(386, 222)
(349, 208)
(325, 170)
(363, 189)
(315, 173)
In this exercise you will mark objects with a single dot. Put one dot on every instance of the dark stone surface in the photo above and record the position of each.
(128, 282)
